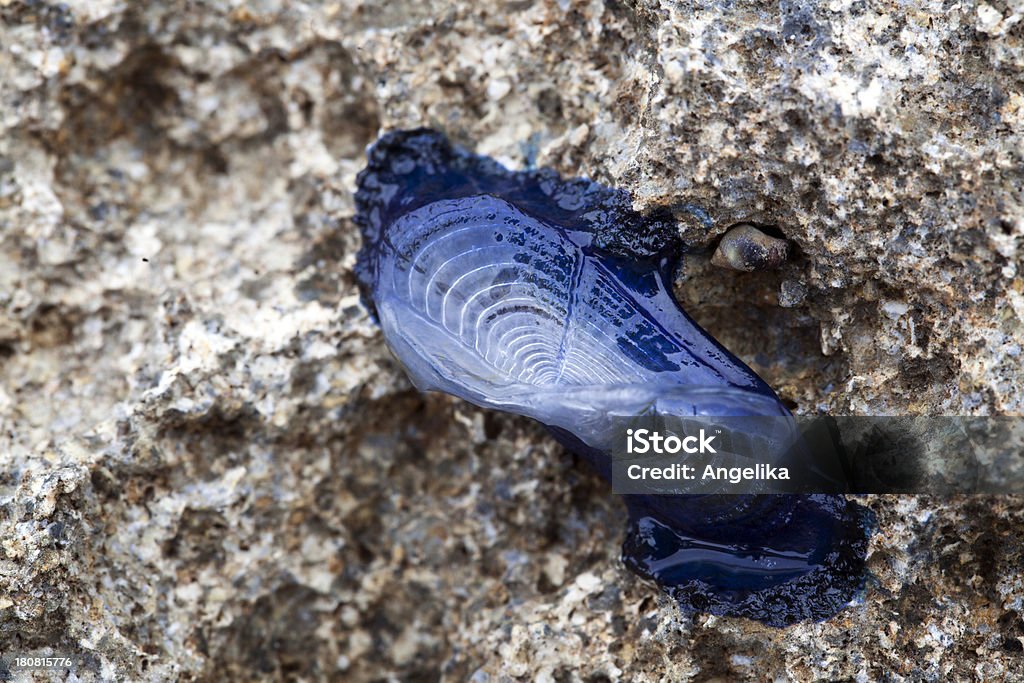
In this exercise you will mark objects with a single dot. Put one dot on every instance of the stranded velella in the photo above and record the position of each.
(546, 297)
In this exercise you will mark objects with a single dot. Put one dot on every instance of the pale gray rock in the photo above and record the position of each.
(210, 466)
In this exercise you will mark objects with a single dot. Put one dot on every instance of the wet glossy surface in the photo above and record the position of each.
(545, 297)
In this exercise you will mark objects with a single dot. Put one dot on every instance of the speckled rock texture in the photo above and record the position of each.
(212, 469)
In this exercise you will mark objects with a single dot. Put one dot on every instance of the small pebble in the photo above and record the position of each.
(792, 293)
(746, 248)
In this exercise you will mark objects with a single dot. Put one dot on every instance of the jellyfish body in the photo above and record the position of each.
(524, 292)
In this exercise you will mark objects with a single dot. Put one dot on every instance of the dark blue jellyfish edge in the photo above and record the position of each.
(547, 297)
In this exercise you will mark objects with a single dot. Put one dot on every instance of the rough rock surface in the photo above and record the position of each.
(210, 466)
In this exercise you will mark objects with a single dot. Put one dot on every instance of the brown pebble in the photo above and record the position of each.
(746, 248)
